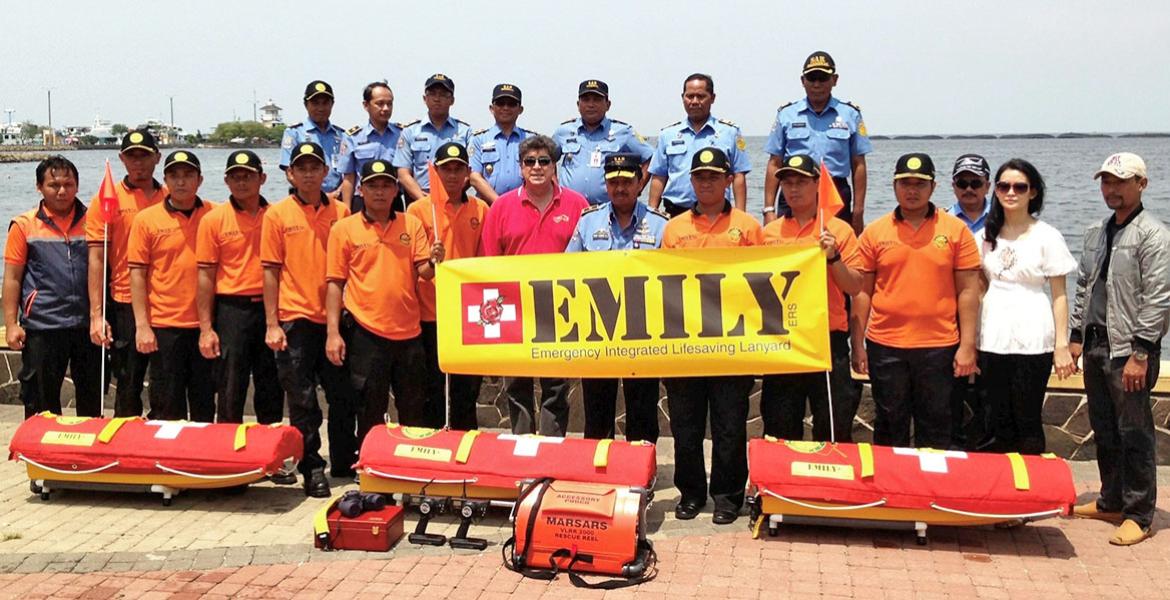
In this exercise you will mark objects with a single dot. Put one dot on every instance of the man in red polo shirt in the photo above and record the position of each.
(536, 218)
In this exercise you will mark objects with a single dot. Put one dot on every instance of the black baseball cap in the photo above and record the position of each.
(506, 90)
(181, 157)
(593, 86)
(972, 163)
(243, 159)
(316, 88)
(308, 149)
(710, 159)
(799, 163)
(623, 164)
(915, 165)
(819, 61)
(440, 80)
(379, 168)
(451, 151)
(141, 139)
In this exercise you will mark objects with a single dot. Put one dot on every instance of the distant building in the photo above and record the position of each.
(10, 135)
(270, 115)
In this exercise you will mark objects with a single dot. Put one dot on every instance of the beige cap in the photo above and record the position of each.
(1123, 165)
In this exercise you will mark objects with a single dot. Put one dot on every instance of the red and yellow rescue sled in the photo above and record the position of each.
(158, 456)
(879, 486)
(490, 466)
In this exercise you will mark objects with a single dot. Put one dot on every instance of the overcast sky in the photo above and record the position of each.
(913, 67)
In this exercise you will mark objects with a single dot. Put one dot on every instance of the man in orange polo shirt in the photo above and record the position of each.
(375, 259)
(460, 218)
(231, 296)
(920, 269)
(783, 397)
(115, 330)
(163, 271)
(293, 241)
(711, 223)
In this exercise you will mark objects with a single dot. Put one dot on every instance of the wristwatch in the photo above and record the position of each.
(835, 258)
(769, 209)
(1141, 355)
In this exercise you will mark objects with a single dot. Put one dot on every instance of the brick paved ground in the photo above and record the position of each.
(257, 545)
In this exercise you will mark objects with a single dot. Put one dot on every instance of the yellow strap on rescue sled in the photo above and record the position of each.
(1048, 455)
(865, 453)
(464, 451)
(242, 436)
(1019, 471)
(601, 454)
(112, 428)
(321, 518)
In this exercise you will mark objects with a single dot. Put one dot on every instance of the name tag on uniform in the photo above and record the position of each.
(644, 239)
(601, 234)
(488, 146)
(799, 124)
(595, 158)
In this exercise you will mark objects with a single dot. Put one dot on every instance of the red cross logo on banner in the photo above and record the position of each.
(492, 313)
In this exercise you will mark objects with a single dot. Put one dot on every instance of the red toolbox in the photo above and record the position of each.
(372, 531)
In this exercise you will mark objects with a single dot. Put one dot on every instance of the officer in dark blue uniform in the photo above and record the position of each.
(826, 129)
(377, 139)
(621, 224)
(317, 129)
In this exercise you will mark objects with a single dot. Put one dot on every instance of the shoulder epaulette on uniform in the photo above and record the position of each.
(855, 107)
(295, 125)
(673, 124)
(479, 131)
(353, 130)
(786, 106)
(414, 122)
(398, 125)
(567, 121)
(655, 211)
(726, 122)
(527, 131)
(618, 122)
(460, 121)
(594, 208)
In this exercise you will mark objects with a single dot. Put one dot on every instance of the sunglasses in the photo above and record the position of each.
(1004, 187)
(817, 76)
(505, 103)
(543, 161)
(964, 184)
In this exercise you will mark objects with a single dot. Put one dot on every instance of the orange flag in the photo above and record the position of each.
(439, 199)
(107, 197)
(829, 201)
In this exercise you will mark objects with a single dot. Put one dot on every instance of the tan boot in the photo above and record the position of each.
(1129, 533)
(1089, 510)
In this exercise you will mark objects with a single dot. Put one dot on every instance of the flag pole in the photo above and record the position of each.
(446, 376)
(832, 424)
(105, 275)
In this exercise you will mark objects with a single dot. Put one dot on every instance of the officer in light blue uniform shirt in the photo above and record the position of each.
(620, 224)
(495, 151)
(824, 128)
(377, 139)
(420, 139)
(670, 168)
(317, 129)
(588, 139)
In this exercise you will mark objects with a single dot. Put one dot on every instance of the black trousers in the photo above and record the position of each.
(599, 397)
(464, 389)
(842, 185)
(673, 209)
(1123, 427)
(554, 405)
(911, 384)
(1016, 385)
(783, 399)
(45, 357)
(180, 387)
(691, 401)
(129, 365)
(300, 367)
(377, 364)
(971, 391)
(243, 355)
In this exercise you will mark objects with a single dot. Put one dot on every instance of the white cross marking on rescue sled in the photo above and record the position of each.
(507, 314)
(169, 430)
(529, 445)
(931, 461)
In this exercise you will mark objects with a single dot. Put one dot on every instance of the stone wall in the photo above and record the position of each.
(1066, 418)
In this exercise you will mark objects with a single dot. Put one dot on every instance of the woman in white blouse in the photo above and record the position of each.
(1023, 332)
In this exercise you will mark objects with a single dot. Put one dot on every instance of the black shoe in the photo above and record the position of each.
(342, 473)
(724, 516)
(687, 510)
(316, 485)
(283, 477)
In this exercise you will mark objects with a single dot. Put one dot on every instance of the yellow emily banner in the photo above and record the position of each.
(640, 313)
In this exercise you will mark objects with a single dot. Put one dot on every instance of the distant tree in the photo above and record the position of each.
(119, 129)
(31, 130)
(88, 140)
(248, 130)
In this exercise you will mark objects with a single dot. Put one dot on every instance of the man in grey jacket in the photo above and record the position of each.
(1120, 313)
